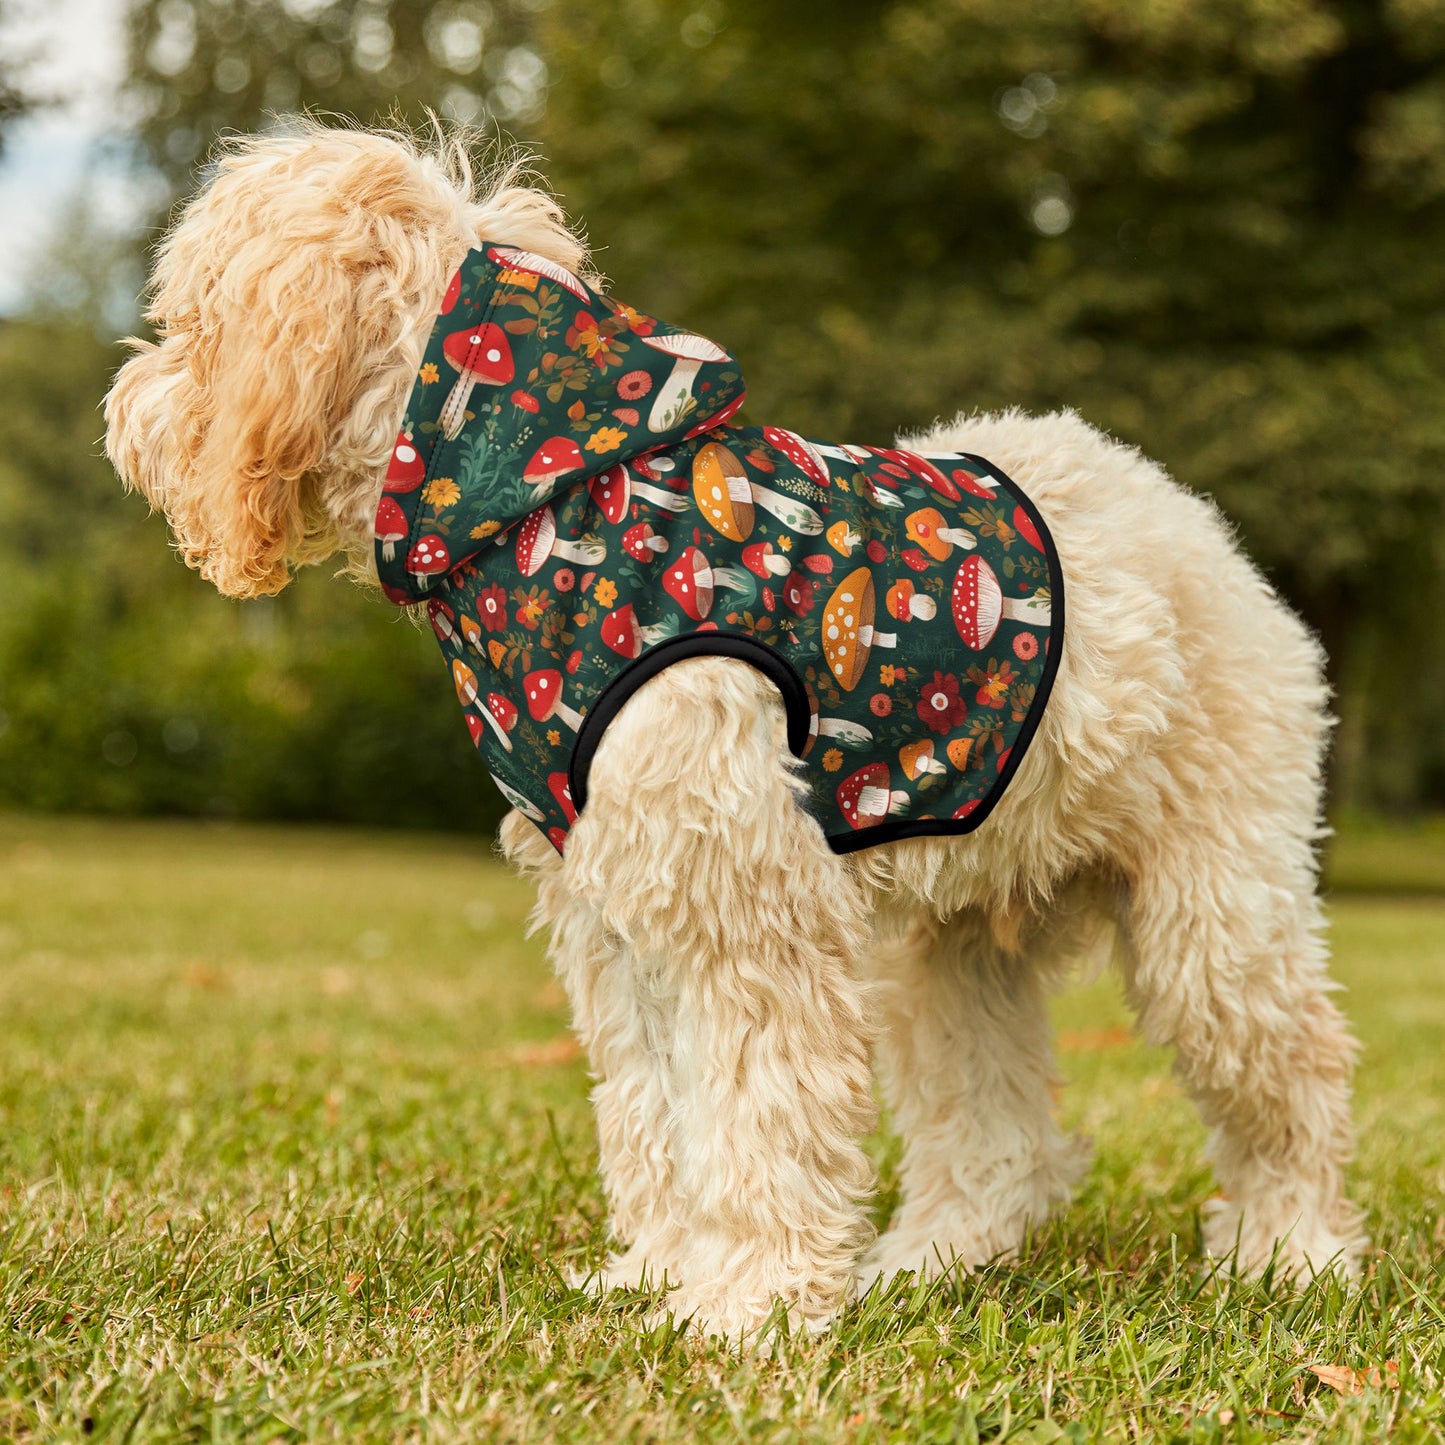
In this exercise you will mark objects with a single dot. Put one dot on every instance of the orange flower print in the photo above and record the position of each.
(442, 492)
(606, 439)
(429, 374)
(994, 684)
(605, 592)
(887, 674)
(633, 320)
(554, 738)
(483, 530)
(832, 760)
(598, 347)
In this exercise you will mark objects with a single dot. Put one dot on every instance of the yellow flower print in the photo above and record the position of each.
(484, 529)
(786, 543)
(606, 439)
(442, 492)
(554, 738)
(605, 592)
(887, 674)
(832, 760)
(429, 374)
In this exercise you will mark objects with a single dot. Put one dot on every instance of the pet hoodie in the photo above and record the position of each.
(569, 499)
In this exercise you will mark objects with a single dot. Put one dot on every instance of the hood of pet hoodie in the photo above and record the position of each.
(569, 500)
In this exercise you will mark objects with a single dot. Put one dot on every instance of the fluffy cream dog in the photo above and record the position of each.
(733, 981)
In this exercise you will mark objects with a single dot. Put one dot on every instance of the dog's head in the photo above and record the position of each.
(292, 301)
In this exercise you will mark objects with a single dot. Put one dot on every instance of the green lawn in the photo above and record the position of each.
(292, 1146)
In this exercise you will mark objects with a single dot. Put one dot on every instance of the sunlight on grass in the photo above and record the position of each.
(292, 1143)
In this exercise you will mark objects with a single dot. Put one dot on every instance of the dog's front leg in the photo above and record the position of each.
(739, 930)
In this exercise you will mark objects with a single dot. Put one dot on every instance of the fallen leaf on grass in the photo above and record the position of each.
(1346, 1381)
(553, 1051)
(1096, 1041)
(354, 1283)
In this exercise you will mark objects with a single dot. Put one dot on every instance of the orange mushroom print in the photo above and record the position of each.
(572, 498)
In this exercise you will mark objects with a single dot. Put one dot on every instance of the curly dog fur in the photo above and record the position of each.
(731, 978)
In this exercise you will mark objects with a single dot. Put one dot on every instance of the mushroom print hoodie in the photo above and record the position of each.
(570, 502)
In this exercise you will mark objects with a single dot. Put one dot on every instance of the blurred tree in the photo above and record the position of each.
(1216, 229)
(14, 99)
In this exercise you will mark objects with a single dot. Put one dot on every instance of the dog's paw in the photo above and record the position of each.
(1298, 1247)
(753, 1324)
(633, 1270)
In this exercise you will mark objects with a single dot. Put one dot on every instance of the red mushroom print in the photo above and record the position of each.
(798, 594)
(689, 583)
(801, 452)
(622, 632)
(688, 352)
(479, 353)
(764, 561)
(1024, 526)
(905, 604)
(515, 259)
(979, 605)
(642, 544)
(501, 716)
(866, 797)
(465, 682)
(920, 468)
(561, 790)
(428, 559)
(454, 291)
(727, 495)
(537, 542)
(712, 423)
(553, 459)
(927, 529)
(614, 489)
(544, 698)
(406, 471)
(974, 484)
(443, 620)
(476, 727)
(391, 526)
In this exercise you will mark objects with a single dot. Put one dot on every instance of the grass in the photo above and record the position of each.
(292, 1146)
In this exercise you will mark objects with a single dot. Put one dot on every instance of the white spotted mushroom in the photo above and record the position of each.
(907, 604)
(867, 797)
(692, 580)
(537, 541)
(477, 354)
(501, 716)
(642, 544)
(614, 489)
(543, 690)
(727, 495)
(688, 352)
(979, 605)
(800, 451)
(848, 635)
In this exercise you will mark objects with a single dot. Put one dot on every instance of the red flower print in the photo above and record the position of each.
(798, 594)
(492, 608)
(1026, 646)
(939, 705)
(880, 704)
(563, 579)
(634, 386)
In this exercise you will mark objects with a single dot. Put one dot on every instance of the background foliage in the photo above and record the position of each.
(1217, 229)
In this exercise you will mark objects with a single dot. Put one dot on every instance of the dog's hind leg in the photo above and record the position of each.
(740, 930)
(1225, 961)
(966, 1060)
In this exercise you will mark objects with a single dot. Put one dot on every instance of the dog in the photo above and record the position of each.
(732, 977)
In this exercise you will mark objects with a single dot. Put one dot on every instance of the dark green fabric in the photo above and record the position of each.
(568, 499)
